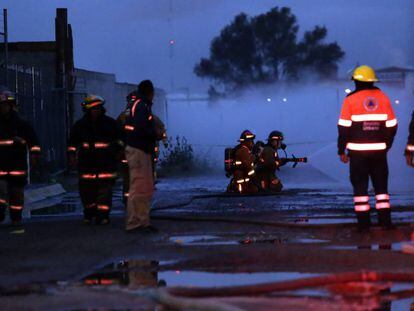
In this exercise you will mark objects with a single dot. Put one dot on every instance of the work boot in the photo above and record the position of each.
(384, 218)
(364, 221)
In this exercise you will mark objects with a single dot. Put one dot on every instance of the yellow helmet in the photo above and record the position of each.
(92, 101)
(364, 74)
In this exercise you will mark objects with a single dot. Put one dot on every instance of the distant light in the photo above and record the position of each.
(269, 100)
(172, 42)
(348, 91)
(284, 99)
(397, 101)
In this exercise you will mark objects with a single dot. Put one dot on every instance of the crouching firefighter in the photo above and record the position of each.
(367, 126)
(94, 144)
(268, 162)
(17, 137)
(239, 162)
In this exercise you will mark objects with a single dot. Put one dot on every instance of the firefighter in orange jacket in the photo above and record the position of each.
(95, 142)
(243, 165)
(409, 149)
(269, 162)
(17, 137)
(367, 126)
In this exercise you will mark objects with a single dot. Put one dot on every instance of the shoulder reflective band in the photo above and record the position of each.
(134, 106)
(6, 142)
(240, 181)
(362, 208)
(149, 118)
(126, 194)
(129, 127)
(361, 199)
(366, 147)
(238, 162)
(72, 149)
(124, 161)
(101, 145)
(17, 173)
(369, 117)
(410, 148)
(35, 149)
(391, 123)
(250, 173)
(85, 145)
(16, 207)
(343, 122)
(382, 205)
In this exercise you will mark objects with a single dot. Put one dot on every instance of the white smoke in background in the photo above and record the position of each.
(306, 114)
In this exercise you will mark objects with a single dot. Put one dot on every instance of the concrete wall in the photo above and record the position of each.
(105, 85)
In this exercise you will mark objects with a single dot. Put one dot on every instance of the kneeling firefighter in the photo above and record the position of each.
(268, 162)
(94, 144)
(17, 137)
(239, 162)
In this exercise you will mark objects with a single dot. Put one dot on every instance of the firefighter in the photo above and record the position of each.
(243, 165)
(94, 144)
(17, 137)
(124, 170)
(257, 151)
(161, 132)
(141, 136)
(409, 149)
(366, 128)
(269, 162)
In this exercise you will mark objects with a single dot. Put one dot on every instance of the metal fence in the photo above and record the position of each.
(44, 109)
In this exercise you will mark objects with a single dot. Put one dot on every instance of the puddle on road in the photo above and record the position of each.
(148, 273)
(373, 247)
(201, 240)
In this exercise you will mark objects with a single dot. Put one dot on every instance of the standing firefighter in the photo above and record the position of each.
(367, 126)
(95, 143)
(242, 165)
(409, 149)
(141, 137)
(17, 137)
(269, 161)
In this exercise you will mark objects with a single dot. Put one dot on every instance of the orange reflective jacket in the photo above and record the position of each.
(367, 122)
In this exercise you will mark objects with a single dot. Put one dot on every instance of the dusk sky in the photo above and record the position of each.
(131, 38)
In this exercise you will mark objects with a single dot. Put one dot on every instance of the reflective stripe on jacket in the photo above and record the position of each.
(367, 122)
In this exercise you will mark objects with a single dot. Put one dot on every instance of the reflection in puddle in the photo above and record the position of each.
(210, 279)
(201, 240)
(373, 247)
(132, 273)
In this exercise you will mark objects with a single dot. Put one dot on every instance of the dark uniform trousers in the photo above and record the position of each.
(12, 197)
(363, 167)
(96, 197)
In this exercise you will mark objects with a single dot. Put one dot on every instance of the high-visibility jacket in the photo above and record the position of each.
(17, 137)
(97, 145)
(140, 126)
(367, 123)
(410, 143)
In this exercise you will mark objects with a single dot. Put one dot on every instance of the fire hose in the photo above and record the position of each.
(282, 286)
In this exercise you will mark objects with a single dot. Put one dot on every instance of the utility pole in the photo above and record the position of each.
(6, 49)
(171, 45)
